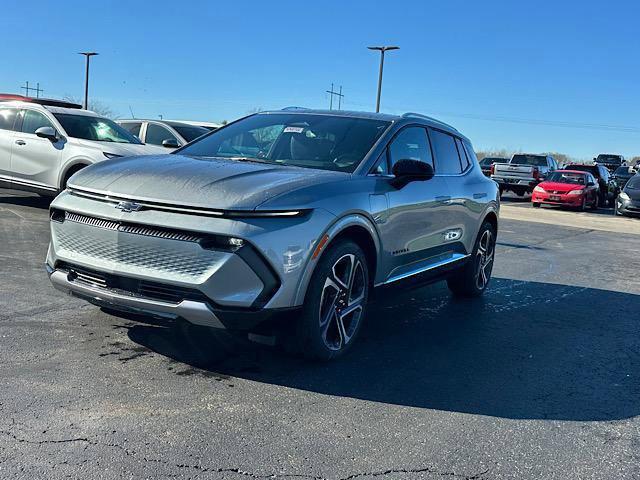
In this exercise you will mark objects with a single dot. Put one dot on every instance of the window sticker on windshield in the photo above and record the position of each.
(293, 129)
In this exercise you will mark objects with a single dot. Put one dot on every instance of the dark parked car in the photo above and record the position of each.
(611, 161)
(608, 187)
(486, 164)
(622, 175)
(628, 202)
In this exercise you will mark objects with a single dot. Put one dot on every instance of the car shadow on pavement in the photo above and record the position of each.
(24, 200)
(526, 350)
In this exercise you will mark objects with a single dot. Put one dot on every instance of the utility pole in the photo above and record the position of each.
(88, 55)
(382, 51)
(333, 93)
(27, 89)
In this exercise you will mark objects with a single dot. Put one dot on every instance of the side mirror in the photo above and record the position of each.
(590, 184)
(406, 171)
(47, 132)
(170, 143)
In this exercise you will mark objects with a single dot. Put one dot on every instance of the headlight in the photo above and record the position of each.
(624, 196)
(539, 189)
(576, 192)
(111, 155)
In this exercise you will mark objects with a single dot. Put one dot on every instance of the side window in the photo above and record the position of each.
(471, 155)
(156, 134)
(7, 118)
(382, 165)
(132, 127)
(411, 143)
(464, 159)
(33, 120)
(444, 148)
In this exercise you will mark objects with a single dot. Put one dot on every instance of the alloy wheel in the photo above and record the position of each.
(342, 302)
(484, 259)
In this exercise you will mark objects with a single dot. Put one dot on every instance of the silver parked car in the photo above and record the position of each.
(296, 210)
(165, 133)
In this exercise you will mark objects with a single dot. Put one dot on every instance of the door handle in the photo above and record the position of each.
(20, 142)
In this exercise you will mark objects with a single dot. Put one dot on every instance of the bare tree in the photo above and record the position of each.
(96, 106)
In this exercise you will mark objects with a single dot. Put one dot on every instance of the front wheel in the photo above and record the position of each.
(473, 278)
(335, 303)
(535, 204)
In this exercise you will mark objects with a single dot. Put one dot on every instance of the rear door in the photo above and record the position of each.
(8, 117)
(35, 161)
(417, 218)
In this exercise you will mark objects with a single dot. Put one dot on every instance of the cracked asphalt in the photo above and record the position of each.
(538, 379)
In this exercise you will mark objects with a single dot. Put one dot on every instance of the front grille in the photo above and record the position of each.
(132, 286)
(133, 228)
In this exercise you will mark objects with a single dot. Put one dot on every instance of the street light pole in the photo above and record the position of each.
(382, 51)
(86, 78)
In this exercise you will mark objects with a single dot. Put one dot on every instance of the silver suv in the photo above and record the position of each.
(43, 144)
(299, 211)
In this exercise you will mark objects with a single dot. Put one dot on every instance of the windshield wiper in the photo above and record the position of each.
(246, 159)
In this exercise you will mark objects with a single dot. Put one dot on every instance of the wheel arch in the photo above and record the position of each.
(71, 168)
(356, 227)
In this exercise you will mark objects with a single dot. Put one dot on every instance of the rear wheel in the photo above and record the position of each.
(335, 303)
(472, 279)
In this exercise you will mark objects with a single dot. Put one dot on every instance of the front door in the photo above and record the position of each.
(7, 119)
(415, 223)
(35, 161)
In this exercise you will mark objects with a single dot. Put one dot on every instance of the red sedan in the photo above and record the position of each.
(570, 188)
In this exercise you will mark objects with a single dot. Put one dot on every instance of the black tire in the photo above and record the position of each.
(520, 193)
(594, 205)
(466, 282)
(68, 175)
(329, 295)
(535, 204)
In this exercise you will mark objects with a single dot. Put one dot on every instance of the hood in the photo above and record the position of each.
(560, 187)
(214, 183)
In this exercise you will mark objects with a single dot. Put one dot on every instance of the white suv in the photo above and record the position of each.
(41, 146)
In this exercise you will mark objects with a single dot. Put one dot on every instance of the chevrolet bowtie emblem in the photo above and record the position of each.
(128, 206)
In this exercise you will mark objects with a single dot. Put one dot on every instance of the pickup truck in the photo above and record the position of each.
(523, 172)
(609, 160)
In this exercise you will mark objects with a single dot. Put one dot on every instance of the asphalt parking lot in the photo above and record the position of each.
(538, 379)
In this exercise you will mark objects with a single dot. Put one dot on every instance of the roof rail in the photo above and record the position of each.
(293, 109)
(9, 97)
(426, 117)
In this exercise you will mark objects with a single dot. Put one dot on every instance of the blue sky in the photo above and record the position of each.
(532, 76)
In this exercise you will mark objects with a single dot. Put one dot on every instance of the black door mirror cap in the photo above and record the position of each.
(47, 132)
(407, 170)
(170, 143)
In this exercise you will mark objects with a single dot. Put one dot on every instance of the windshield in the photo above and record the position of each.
(609, 159)
(189, 132)
(100, 129)
(327, 142)
(536, 160)
(567, 177)
(487, 161)
(624, 171)
(634, 183)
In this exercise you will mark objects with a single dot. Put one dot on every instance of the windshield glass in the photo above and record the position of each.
(100, 129)
(566, 177)
(327, 142)
(634, 183)
(189, 132)
(536, 160)
(624, 171)
(609, 159)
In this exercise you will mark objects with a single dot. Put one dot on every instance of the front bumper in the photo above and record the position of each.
(172, 264)
(557, 199)
(630, 207)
